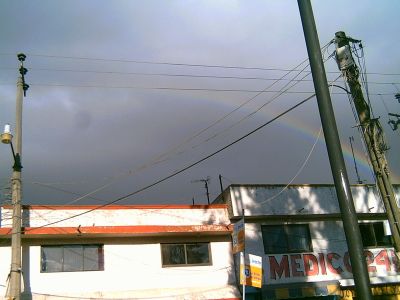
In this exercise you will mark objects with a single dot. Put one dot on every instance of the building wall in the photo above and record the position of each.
(329, 260)
(300, 199)
(317, 206)
(130, 270)
(51, 216)
(132, 262)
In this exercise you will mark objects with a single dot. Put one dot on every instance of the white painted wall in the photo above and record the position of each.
(119, 217)
(130, 270)
(301, 199)
(132, 266)
(327, 237)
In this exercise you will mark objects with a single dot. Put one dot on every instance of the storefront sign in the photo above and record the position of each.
(238, 236)
(381, 262)
(253, 271)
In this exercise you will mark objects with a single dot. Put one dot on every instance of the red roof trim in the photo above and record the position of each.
(114, 207)
(150, 229)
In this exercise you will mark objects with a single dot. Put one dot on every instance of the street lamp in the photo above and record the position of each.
(6, 138)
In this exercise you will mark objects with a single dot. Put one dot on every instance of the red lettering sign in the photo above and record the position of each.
(279, 269)
(331, 267)
(321, 258)
(347, 264)
(369, 257)
(296, 271)
(395, 260)
(310, 265)
(382, 259)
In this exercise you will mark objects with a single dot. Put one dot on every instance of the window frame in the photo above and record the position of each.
(63, 247)
(286, 234)
(372, 235)
(186, 264)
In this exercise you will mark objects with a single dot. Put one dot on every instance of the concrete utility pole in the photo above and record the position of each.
(372, 133)
(342, 185)
(16, 265)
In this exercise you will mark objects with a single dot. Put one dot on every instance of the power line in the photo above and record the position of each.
(137, 61)
(182, 89)
(194, 75)
(149, 62)
(306, 159)
(49, 186)
(160, 158)
(278, 94)
(181, 170)
(228, 114)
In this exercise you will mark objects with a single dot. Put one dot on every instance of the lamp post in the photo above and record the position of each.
(6, 138)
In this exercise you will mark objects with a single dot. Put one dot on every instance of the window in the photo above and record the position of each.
(186, 254)
(373, 235)
(286, 238)
(72, 258)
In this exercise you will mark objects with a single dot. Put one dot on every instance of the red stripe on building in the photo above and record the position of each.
(126, 230)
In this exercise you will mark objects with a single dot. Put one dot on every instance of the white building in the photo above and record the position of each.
(122, 252)
(298, 232)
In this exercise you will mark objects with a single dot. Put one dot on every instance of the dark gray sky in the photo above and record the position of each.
(97, 116)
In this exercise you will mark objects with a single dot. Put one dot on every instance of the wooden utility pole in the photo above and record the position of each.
(372, 133)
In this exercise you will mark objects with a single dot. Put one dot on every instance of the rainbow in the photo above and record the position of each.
(312, 133)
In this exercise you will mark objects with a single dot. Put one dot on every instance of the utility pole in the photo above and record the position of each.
(372, 133)
(335, 154)
(16, 264)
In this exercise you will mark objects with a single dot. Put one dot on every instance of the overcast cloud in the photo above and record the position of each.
(93, 127)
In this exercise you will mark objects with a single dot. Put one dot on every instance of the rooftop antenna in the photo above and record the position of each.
(205, 185)
(354, 159)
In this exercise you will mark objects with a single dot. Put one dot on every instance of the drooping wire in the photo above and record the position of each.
(363, 73)
(164, 156)
(161, 157)
(283, 90)
(182, 169)
(186, 141)
(305, 160)
(277, 95)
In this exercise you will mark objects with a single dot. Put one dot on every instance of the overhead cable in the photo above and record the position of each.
(180, 170)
